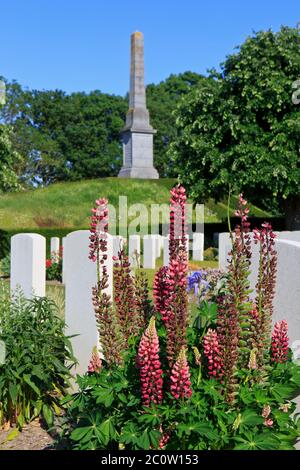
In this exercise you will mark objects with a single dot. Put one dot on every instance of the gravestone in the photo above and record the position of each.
(137, 134)
(134, 250)
(159, 244)
(81, 277)
(198, 246)
(166, 251)
(54, 248)
(149, 251)
(63, 260)
(28, 264)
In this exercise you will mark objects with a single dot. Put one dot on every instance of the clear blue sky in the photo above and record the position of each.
(79, 45)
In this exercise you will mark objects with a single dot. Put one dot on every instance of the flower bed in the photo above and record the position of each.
(222, 380)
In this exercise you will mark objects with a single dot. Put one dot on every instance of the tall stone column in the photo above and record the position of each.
(137, 135)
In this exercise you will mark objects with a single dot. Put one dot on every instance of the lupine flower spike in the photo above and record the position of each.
(180, 377)
(280, 342)
(95, 363)
(149, 364)
(212, 351)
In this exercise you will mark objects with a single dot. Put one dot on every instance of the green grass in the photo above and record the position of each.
(63, 207)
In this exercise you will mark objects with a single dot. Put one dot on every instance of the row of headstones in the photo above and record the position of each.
(28, 263)
(153, 245)
(287, 293)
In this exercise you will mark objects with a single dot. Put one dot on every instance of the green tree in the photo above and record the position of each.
(9, 158)
(242, 129)
(162, 100)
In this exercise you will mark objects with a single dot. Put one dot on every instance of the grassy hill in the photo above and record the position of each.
(67, 206)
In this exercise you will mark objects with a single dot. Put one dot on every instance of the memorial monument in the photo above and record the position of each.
(137, 135)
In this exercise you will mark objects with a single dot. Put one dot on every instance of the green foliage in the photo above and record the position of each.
(241, 128)
(107, 413)
(71, 137)
(9, 159)
(34, 376)
(5, 266)
(54, 272)
(162, 100)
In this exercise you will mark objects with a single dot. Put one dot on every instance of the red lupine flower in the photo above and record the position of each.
(280, 342)
(268, 422)
(95, 364)
(165, 437)
(177, 221)
(48, 263)
(150, 367)
(98, 227)
(180, 377)
(212, 351)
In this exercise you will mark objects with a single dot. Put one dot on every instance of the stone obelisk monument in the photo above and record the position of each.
(137, 135)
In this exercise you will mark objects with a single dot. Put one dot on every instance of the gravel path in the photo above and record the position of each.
(32, 437)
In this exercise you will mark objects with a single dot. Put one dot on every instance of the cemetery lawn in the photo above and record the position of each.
(66, 206)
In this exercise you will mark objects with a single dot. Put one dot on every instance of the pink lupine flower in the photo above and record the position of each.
(268, 422)
(98, 227)
(180, 377)
(280, 342)
(95, 364)
(266, 414)
(266, 411)
(212, 351)
(150, 367)
(165, 437)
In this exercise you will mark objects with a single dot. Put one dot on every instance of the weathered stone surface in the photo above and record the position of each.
(137, 134)
(28, 264)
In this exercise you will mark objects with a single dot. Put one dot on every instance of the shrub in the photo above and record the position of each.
(223, 381)
(33, 377)
(5, 266)
(54, 267)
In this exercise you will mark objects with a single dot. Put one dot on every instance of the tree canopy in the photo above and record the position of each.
(71, 137)
(9, 159)
(241, 129)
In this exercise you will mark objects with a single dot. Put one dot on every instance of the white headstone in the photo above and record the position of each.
(81, 277)
(63, 243)
(159, 244)
(28, 264)
(134, 249)
(166, 251)
(198, 246)
(54, 248)
(149, 250)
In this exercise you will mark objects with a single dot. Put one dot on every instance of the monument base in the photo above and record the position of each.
(139, 173)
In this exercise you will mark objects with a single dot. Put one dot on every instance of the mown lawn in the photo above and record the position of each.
(66, 206)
